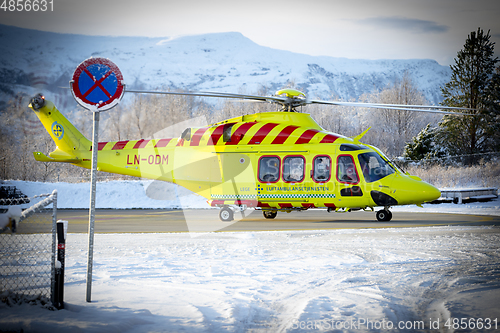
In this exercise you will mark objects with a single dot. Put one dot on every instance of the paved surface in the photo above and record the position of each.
(140, 221)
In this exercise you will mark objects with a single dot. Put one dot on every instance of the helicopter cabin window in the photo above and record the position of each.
(322, 166)
(346, 170)
(374, 167)
(269, 169)
(293, 169)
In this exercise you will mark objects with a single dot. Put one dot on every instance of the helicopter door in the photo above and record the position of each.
(237, 182)
(347, 174)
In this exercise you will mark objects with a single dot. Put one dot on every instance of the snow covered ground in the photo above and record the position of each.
(403, 279)
(336, 280)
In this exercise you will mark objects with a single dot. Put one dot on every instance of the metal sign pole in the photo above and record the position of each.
(97, 85)
(95, 148)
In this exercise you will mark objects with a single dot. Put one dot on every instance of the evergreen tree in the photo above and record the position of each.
(492, 111)
(470, 81)
(424, 146)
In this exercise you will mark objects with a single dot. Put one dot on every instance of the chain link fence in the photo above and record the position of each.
(28, 248)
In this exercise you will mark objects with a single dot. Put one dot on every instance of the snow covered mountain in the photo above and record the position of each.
(32, 60)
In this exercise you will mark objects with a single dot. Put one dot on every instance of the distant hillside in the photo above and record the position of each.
(32, 61)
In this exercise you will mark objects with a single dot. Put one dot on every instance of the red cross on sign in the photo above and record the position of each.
(97, 84)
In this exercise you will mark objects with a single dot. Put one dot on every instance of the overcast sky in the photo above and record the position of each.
(364, 29)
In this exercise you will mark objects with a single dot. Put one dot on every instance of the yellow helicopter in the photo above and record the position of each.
(273, 161)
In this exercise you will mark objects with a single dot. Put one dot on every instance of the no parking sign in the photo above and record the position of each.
(97, 84)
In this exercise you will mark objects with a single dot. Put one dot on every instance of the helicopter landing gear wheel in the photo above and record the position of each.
(269, 214)
(384, 215)
(226, 214)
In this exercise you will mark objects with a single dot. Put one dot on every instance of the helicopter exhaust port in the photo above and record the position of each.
(38, 102)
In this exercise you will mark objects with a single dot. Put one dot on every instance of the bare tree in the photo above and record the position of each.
(392, 129)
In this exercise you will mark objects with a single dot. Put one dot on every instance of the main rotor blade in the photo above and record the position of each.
(244, 96)
(210, 94)
(294, 102)
(426, 106)
(400, 107)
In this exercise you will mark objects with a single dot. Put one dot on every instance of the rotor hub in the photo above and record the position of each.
(294, 99)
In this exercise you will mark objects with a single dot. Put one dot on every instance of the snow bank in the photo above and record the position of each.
(117, 194)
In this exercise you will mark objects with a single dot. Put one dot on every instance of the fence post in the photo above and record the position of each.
(62, 227)
(53, 199)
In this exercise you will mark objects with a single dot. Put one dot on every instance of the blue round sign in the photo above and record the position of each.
(97, 84)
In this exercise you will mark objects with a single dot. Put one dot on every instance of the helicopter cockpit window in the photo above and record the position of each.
(374, 167)
(293, 169)
(346, 170)
(269, 169)
(322, 167)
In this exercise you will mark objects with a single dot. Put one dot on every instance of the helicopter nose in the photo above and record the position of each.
(427, 192)
(412, 190)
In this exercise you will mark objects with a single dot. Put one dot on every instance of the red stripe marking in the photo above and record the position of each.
(286, 205)
(261, 204)
(162, 143)
(329, 138)
(119, 145)
(217, 203)
(100, 145)
(240, 133)
(261, 134)
(180, 143)
(306, 136)
(217, 133)
(308, 205)
(284, 134)
(141, 144)
(249, 203)
(195, 140)
(330, 205)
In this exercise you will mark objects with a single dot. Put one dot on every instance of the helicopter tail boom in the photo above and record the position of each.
(70, 142)
(139, 158)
